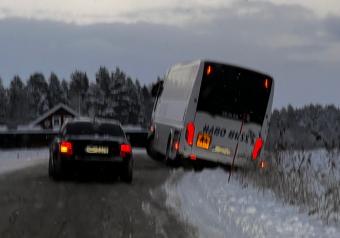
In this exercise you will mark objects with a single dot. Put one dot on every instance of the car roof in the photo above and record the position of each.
(95, 120)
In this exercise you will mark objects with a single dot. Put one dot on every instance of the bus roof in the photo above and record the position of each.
(199, 61)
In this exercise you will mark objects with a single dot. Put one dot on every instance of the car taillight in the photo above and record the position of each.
(190, 133)
(257, 148)
(66, 148)
(125, 150)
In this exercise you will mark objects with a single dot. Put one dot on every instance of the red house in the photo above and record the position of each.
(54, 118)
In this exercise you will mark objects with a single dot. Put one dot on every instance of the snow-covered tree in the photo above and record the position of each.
(147, 106)
(64, 92)
(104, 80)
(113, 95)
(55, 92)
(18, 106)
(37, 90)
(79, 86)
(3, 103)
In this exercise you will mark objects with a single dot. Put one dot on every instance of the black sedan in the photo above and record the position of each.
(85, 141)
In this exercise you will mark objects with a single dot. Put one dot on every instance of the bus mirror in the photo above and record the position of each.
(157, 88)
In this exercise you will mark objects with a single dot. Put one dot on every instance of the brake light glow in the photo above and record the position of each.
(266, 83)
(66, 147)
(176, 145)
(209, 70)
(257, 148)
(263, 164)
(193, 157)
(190, 133)
(125, 149)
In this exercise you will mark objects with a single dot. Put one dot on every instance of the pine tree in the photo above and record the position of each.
(3, 104)
(64, 92)
(79, 86)
(37, 89)
(104, 80)
(18, 106)
(120, 98)
(55, 92)
(147, 103)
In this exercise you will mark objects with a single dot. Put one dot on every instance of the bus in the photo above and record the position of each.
(211, 111)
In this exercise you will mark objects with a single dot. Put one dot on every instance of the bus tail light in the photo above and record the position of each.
(266, 84)
(190, 133)
(193, 157)
(209, 70)
(66, 148)
(257, 148)
(176, 145)
(263, 164)
(125, 150)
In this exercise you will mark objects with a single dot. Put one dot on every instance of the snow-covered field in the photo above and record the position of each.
(221, 209)
(246, 209)
(15, 159)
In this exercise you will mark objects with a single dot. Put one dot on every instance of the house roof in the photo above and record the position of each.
(51, 111)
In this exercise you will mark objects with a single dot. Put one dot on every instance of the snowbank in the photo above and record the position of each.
(136, 151)
(15, 159)
(221, 209)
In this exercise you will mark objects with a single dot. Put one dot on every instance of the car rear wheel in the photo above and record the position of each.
(50, 167)
(57, 169)
(127, 174)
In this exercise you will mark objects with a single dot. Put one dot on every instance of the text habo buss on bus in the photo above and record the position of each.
(205, 110)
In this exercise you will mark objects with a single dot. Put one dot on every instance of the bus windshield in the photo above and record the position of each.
(234, 93)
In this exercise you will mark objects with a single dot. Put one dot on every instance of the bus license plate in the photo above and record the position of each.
(203, 141)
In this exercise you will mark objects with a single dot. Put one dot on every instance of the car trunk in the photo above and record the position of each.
(100, 147)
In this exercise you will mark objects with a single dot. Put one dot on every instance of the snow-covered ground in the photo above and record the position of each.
(221, 209)
(15, 159)
(136, 151)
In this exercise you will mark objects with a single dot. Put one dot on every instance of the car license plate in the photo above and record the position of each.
(92, 149)
(203, 140)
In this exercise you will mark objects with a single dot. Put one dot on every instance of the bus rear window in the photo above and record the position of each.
(234, 93)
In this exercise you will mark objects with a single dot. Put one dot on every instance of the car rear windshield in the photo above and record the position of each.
(234, 93)
(88, 128)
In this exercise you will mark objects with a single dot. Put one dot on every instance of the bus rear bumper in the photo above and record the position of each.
(213, 161)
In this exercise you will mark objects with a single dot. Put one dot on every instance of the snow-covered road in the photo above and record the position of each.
(15, 159)
(207, 201)
(221, 209)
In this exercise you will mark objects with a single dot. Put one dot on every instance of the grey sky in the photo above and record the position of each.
(298, 44)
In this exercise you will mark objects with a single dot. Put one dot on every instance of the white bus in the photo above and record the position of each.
(211, 111)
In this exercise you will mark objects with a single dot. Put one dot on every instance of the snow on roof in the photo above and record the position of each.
(95, 119)
(52, 110)
(133, 127)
